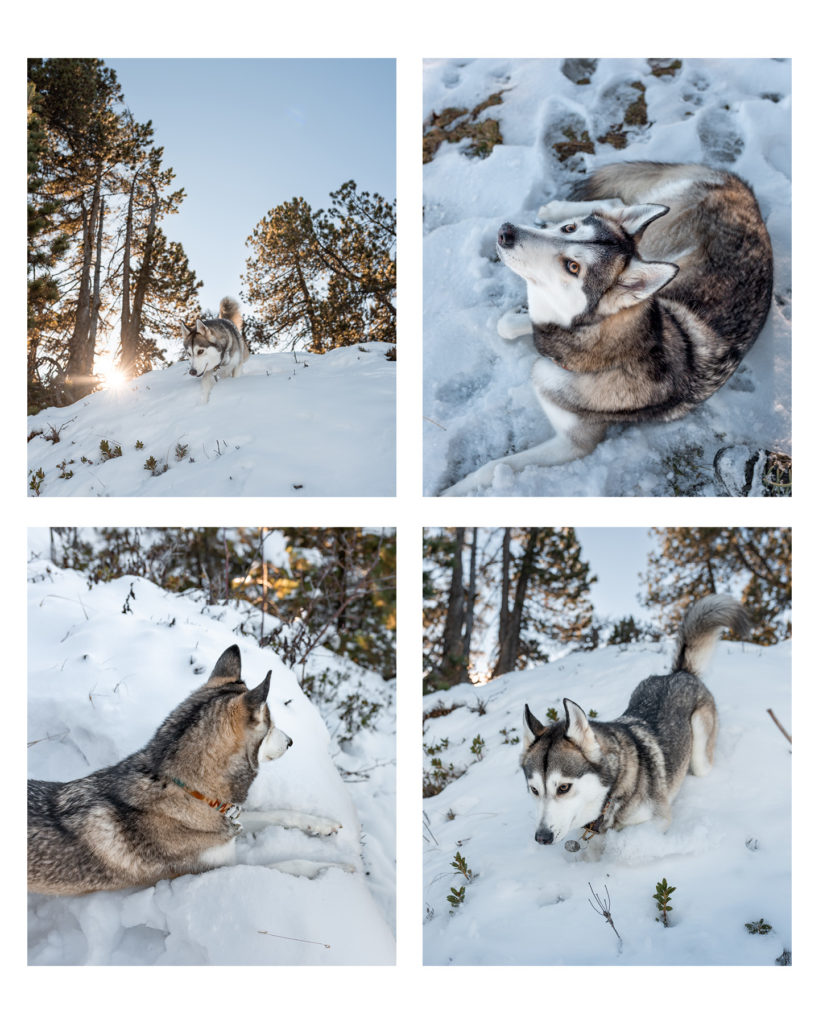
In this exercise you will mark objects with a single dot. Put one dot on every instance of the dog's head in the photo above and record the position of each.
(200, 348)
(584, 267)
(561, 764)
(248, 714)
(216, 739)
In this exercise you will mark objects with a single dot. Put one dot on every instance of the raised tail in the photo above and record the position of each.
(229, 310)
(700, 629)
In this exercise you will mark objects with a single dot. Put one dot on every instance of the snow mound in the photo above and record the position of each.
(292, 424)
(106, 665)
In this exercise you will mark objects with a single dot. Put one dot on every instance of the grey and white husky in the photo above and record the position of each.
(645, 290)
(171, 808)
(601, 775)
(216, 348)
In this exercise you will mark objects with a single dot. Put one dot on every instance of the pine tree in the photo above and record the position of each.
(104, 174)
(550, 604)
(281, 275)
(46, 242)
(532, 582)
(323, 279)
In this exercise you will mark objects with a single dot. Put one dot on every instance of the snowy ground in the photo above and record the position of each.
(727, 850)
(478, 400)
(303, 424)
(101, 679)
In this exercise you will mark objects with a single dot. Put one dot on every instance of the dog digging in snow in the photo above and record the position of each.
(645, 290)
(172, 808)
(601, 775)
(216, 348)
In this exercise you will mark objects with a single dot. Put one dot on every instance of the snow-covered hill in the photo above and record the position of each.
(727, 851)
(478, 401)
(105, 667)
(292, 424)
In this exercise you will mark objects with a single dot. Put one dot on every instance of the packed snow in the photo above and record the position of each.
(291, 424)
(727, 851)
(478, 401)
(106, 665)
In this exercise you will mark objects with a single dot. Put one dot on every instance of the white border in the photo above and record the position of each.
(408, 32)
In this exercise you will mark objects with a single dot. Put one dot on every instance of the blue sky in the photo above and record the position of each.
(616, 555)
(244, 135)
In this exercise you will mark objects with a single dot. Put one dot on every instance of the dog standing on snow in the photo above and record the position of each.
(216, 348)
(601, 775)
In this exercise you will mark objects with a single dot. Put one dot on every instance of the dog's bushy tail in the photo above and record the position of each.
(700, 629)
(229, 310)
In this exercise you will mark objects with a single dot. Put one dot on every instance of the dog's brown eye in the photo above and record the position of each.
(573, 266)
(533, 791)
(564, 788)
(567, 229)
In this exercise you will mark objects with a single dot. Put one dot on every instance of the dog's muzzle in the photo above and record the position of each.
(507, 236)
(544, 836)
(193, 372)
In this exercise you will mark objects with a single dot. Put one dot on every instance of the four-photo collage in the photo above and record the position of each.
(505, 367)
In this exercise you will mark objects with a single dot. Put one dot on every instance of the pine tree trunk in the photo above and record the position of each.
(470, 604)
(125, 311)
(96, 302)
(316, 343)
(80, 359)
(129, 339)
(452, 657)
(509, 641)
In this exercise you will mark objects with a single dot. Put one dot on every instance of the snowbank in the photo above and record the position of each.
(292, 424)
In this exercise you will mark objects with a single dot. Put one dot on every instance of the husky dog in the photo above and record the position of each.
(645, 290)
(216, 348)
(602, 775)
(171, 808)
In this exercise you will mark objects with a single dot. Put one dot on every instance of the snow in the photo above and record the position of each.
(478, 401)
(291, 424)
(101, 679)
(727, 851)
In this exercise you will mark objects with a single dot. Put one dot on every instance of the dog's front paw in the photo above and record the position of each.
(514, 324)
(550, 211)
(321, 827)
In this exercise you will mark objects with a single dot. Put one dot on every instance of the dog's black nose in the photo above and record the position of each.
(507, 236)
(544, 837)
(289, 742)
(192, 372)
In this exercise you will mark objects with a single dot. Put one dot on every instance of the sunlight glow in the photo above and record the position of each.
(111, 378)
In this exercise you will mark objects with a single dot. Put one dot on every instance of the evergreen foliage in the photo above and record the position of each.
(327, 587)
(96, 251)
(754, 563)
(326, 278)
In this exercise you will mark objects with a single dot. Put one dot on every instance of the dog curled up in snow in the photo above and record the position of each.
(601, 775)
(216, 348)
(645, 290)
(172, 808)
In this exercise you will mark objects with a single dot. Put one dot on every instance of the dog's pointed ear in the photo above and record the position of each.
(228, 669)
(186, 331)
(201, 327)
(255, 698)
(532, 728)
(579, 732)
(635, 219)
(637, 282)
